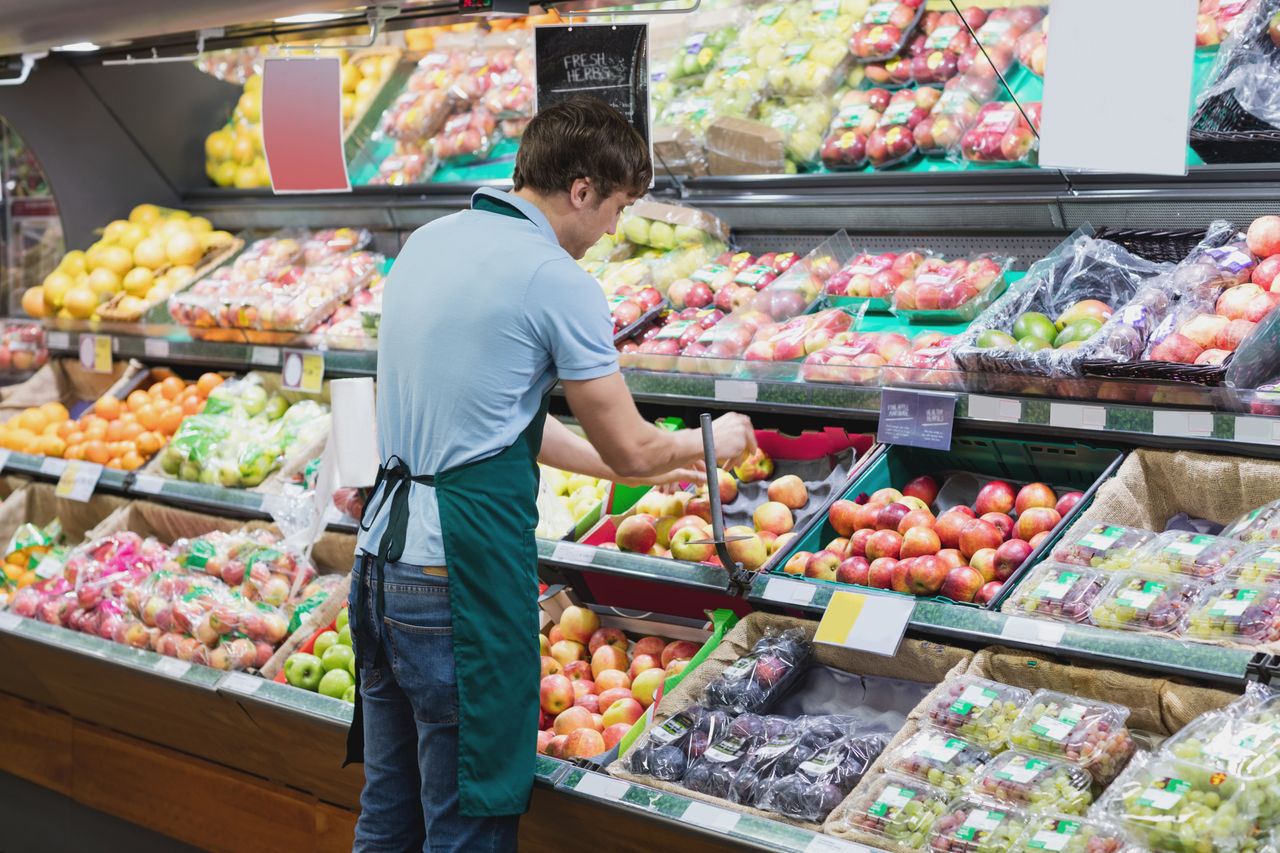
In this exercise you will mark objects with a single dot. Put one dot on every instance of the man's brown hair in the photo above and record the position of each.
(582, 137)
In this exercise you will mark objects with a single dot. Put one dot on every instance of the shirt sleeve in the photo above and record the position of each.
(570, 318)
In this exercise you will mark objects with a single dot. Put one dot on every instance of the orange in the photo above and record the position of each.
(207, 382)
(132, 431)
(74, 451)
(149, 417)
(66, 428)
(119, 448)
(55, 411)
(93, 420)
(51, 445)
(192, 406)
(171, 420)
(96, 451)
(34, 420)
(131, 461)
(13, 571)
(171, 387)
(97, 432)
(114, 462)
(108, 407)
(138, 399)
(51, 428)
(149, 442)
(115, 431)
(27, 579)
(127, 417)
(76, 436)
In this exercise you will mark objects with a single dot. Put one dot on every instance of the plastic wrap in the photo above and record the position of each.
(1248, 64)
(876, 277)
(810, 68)
(28, 547)
(679, 741)
(951, 291)
(1104, 546)
(1062, 834)
(885, 29)
(950, 763)
(467, 137)
(257, 563)
(892, 142)
(1059, 591)
(1036, 783)
(857, 114)
(928, 363)
(822, 781)
(713, 772)
(1086, 732)
(944, 127)
(798, 337)
(1096, 300)
(978, 709)
(757, 679)
(1184, 552)
(1140, 602)
(699, 51)
(899, 809)
(975, 825)
(1257, 564)
(1002, 133)
(1033, 47)
(1216, 20)
(784, 745)
(665, 226)
(802, 123)
(1257, 525)
(1242, 739)
(999, 36)
(1237, 612)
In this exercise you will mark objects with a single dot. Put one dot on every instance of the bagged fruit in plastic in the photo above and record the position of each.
(1256, 525)
(857, 115)
(802, 123)
(1002, 133)
(999, 36)
(1033, 48)
(1183, 552)
(1059, 591)
(1144, 602)
(899, 809)
(820, 783)
(1072, 835)
(467, 137)
(1237, 612)
(939, 758)
(755, 680)
(1103, 546)
(782, 745)
(892, 142)
(1086, 732)
(1036, 782)
(975, 825)
(885, 29)
(978, 709)
(678, 741)
(699, 51)
(944, 127)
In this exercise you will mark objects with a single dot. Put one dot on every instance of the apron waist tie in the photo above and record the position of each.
(394, 480)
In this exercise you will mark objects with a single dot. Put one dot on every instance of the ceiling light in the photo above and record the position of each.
(77, 47)
(310, 18)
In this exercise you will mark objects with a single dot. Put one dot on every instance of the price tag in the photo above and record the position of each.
(52, 466)
(95, 353)
(1000, 409)
(266, 356)
(916, 418)
(1255, 430)
(710, 817)
(1072, 416)
(303, 371)
(58, 340)
(827, 844)
(9, 621)
(789, 592)
(604, 787)
(1177, 424)
(51, 566)
(1038, 631)
(172, 667)
(573, 553)
(148, 483)
(238, 682)
(78, 480)
(4, 458)
(156, 348)
(866, 623)
(736, 391)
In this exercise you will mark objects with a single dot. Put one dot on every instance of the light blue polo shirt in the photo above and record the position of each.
(482, 313)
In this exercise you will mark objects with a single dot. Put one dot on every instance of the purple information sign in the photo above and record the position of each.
(916, 418)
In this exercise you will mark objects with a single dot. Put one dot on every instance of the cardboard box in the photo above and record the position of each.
(737, 146)
(676, 151)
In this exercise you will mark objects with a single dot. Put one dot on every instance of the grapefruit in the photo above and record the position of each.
(33, 301)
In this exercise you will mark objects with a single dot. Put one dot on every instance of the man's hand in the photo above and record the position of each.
(734, 437)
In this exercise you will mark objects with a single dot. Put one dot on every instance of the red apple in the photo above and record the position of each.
(640, 663)
(1035, 520)
(1234, 334)
(952, 557)
(1034, 494)
(578, 624)
(839, 545)
(578, 670)
(842, 517)
(613, 694)
(612, 679)
(1176, 348)
(1010, 556)
(790, 491)
(607, 658)
(1067, 501)
(979, 534)
(858, 543)
(773, 517)
(919, 542)
(984, 561)
(884, 543)
(962, 584)
(899, 582)
(797, 563)
(608, 637)
(614, 734)
(925, 487)
(650, 646)
(551, 666)
(1264, 236)
(728, 486)
(555, 694)
(996, 496)
(637, 534)
(949, 525)
(891, 516)
(1040, 537)
(854, 570)
(925, 575)
(1002, 522)
(1264, 274)
(880, 573)
(988, 592)
(822, 565)
(678, 650)
(916, 518)
(885, 496)
(864, 517)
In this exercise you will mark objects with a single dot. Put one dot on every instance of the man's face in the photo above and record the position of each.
(595, 216)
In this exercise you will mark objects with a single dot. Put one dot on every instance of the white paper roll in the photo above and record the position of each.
(354, 435)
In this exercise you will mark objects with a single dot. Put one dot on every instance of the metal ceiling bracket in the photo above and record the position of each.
(377, 15)
(28, 62)
(609, 13)
(156, 59)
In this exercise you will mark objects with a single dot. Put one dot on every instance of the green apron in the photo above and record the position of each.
(488, 512)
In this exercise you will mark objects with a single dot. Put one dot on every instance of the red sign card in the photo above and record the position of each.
(302, 125)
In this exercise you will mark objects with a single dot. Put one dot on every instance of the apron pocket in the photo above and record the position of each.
(422, 662)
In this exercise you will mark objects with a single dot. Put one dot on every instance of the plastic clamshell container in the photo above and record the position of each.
(1103, 546)
(1183, 552)
(1036, 782)
(1145, 602)
(976, 825)
(897, 808)
(1259, 564)
(980, 710)
(1054, 833)
(939, 758)
(1059, 591)
(1178, 807)
(1083, 731)
(1245, 744)
(962, 313)
(1237, 612)
(1259, 525)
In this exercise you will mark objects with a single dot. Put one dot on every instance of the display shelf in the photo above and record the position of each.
(751, 831)
(51, 468)
(549, 770)
(973, 624)
(588, 558)
(256, 690)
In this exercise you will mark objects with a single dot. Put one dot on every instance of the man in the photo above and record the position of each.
(483, 312)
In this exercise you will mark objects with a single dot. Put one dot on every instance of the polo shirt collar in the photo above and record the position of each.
(529, 209)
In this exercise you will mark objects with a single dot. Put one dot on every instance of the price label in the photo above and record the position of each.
(604, 787)
(4, 458)
(1000, 409)
(827, 844)
(1250, 429)
(95, 353)
(303, 371)
(867, 623)
(52, 466)
(1179, 424)
(736, 391)
(1038, 631)
(238, 682)
(916, 418)
(710, 817)
(156, 348)
(1072, 416)
(148, 483)
(58, 340)
(78, 480)
(9, 621)
(266, 356)
(573, 553)
(50, 567)
(172, 667)
(789, 592)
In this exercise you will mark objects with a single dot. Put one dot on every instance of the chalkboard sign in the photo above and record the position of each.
(609, 61)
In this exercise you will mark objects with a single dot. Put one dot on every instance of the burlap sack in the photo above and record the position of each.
(1160, 706)
(920, 661)
(1151, 486)
(165, 523)
(36, 503)
(62, 380)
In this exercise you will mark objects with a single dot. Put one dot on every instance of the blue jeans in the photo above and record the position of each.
(410, 797)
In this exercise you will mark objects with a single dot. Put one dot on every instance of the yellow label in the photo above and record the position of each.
(102, 354)
(842, 614)
(303, 371)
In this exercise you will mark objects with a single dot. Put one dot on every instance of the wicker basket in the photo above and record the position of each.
(1167, 246)
(1222, 131)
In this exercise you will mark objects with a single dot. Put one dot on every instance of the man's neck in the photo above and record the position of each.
(553, 208)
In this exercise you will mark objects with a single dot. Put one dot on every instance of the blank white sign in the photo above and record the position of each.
(1117, 85)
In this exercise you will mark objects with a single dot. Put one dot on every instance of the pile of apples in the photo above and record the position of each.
(860, 357)
(729, 282)
(1002, 134)
(596, 683)
(330, 667)
(1210, 338)
(955, 111)
(1033, 331)
(629, 303)
(877, 275)
(884, 29)
(894, 541)
(798, 337)
(999, 36)
(857, 114)
(933, 54)
(947, 285)
(1033, 48)
(1215, 19)
(893, 140)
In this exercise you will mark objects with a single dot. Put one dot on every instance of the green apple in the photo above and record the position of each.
(341, 621)
(351, 666)
(350, 695)
(303, 670)
(253, 399)
(324, 641)
(344, 635)
(336, 682)
(1033, 324)
(337, 656)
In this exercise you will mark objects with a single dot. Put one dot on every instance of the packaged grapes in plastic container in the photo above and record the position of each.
(1036, 782)
(1185, 552)
(1258, 564)
(1237, 612)
(885, 29)
(976, 825)
(1086, 732)
(752, 682)
(940, 758)
(820, 783)
(977, 709)
(1179, 807)
(1059, 591)
(679, 740)
(899, 809)
(1053, 833)
(1135, 601)
(1241, 740)
(1103, 546)
(1258, 525)
(1003, 133)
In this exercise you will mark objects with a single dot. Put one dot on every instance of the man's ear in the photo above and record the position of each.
(580, 193)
